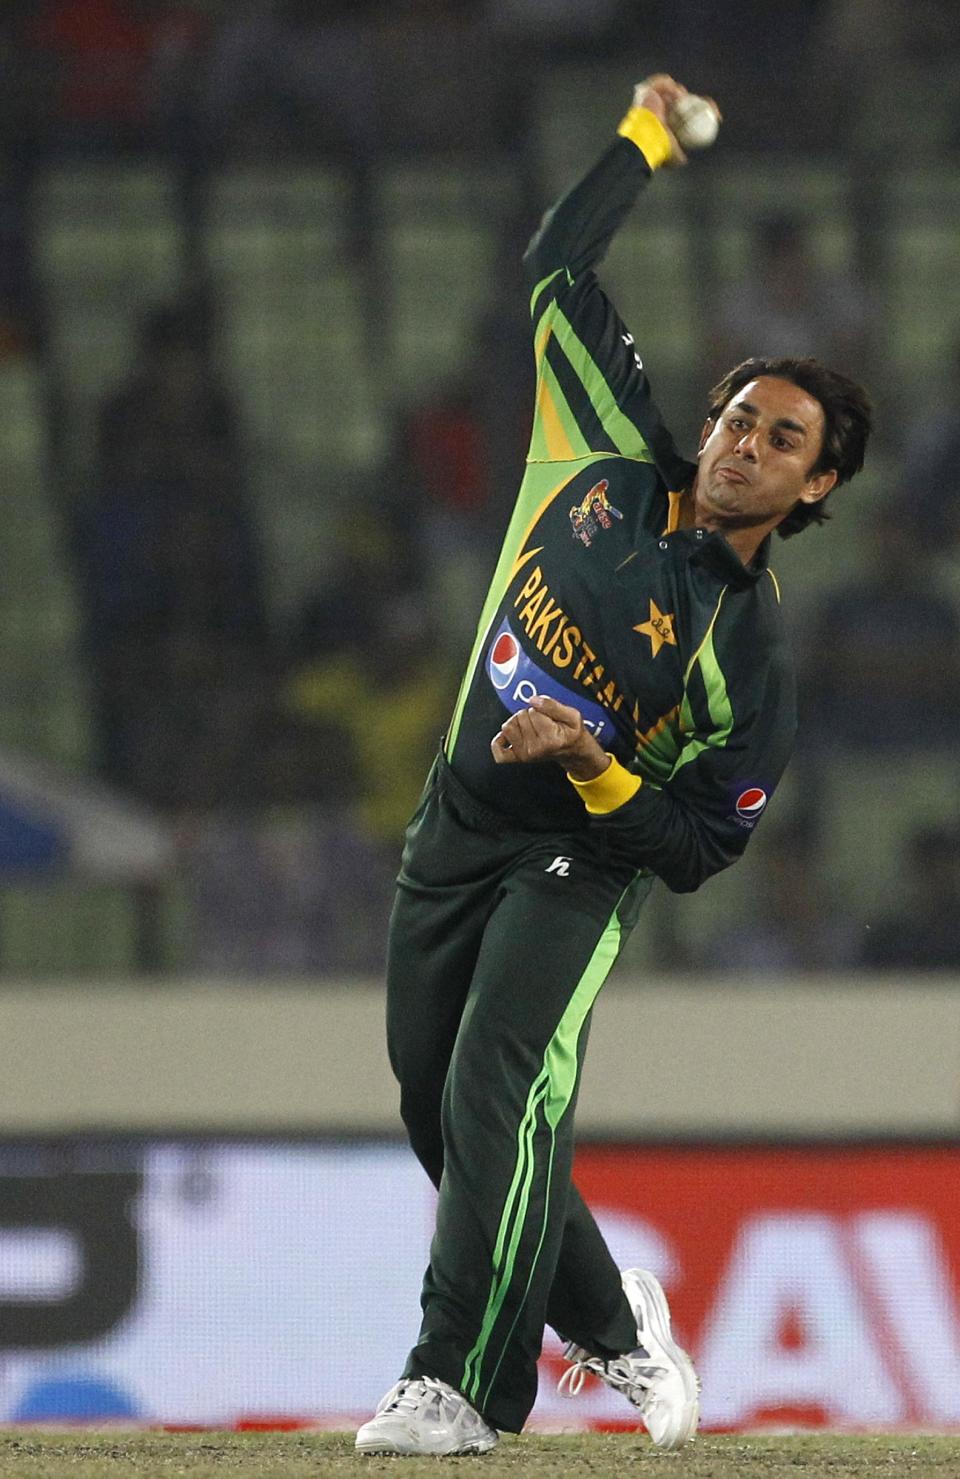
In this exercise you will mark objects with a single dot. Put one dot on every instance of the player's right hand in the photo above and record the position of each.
(658, 94)
(548, 730)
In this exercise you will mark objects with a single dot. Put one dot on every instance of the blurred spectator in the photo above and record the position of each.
(892, 677)
(113, 68)
(299, 895)
(924, 933)
(176, 629)
(19, 114)
(929, 495)
(502, 371)
(293, 74)
(352, 78)
(22, 90)
(460, 452)
(432, 55)
(366, 655)
(557, 24)
(19, 298)
(893, 47)
(786, 304)
(443, 463)
(794, 923)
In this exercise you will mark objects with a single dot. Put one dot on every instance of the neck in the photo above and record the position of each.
(743, 539)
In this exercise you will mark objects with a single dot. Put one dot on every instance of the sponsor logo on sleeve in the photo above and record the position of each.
(749, 805)
(517, 680)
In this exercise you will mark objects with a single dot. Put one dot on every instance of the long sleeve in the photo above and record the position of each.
(592, 392)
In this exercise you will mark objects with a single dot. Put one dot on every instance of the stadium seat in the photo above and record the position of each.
(297, 350)
(94, 933)
(651, 274)
(293, 313)
(821, 561)
(819, 193)
(432, 262)
(39, 697)
(577, 108)
(921, 286)
(871, 805)
(443, 229)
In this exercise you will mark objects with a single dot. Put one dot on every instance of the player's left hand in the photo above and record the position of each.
(548, 730)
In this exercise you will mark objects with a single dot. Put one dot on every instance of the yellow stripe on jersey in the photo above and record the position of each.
(674, 501)
(547, 418)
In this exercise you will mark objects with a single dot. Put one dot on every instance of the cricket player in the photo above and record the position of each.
(626, 714)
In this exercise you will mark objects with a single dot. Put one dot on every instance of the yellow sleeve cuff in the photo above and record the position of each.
(608, 791)
(644, 129)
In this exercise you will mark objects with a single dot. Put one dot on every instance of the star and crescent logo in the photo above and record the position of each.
(659, 628)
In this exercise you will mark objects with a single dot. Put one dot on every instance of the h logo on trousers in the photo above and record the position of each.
(561, 866)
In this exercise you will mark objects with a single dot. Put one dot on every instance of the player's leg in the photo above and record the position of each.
(432, 955)
(586, 1304)
(508, 1138)
(430, 965)
(446, 892)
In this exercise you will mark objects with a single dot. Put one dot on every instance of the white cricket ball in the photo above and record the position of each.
(695, 121)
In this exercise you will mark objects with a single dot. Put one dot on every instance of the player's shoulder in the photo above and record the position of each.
(751, 623)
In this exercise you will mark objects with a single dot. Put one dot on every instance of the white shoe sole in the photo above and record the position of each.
(395, 1448)
(658, 1319)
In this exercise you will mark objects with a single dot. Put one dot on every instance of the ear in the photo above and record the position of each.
(818, 488)
(708, 426)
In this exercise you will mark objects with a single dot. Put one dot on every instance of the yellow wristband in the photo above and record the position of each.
(608, 791)
(644, 129)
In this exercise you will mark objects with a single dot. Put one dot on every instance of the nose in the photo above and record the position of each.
(746, 446)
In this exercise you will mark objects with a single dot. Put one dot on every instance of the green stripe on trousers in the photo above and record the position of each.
(552, 1089)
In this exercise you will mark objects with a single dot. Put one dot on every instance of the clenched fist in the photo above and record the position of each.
(548, 730)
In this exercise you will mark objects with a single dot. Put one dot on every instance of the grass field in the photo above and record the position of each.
(90, 1455)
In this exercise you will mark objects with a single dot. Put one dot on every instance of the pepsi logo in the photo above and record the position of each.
(750, 803)
(504, 657)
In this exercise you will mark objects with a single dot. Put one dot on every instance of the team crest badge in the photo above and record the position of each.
(659, 628)
(594, 513)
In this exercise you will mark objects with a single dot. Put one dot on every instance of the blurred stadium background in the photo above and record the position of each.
(264, 383)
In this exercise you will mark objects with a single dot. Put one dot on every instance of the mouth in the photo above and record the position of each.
(732, 475)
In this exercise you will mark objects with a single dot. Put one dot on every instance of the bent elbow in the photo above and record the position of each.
(688, 876)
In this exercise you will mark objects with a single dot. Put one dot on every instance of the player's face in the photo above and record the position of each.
(755, 459)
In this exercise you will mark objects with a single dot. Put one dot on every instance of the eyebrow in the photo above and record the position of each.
(784, 422)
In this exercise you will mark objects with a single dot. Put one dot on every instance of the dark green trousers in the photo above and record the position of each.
(499, 943)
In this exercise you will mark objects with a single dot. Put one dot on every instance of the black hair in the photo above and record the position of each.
(847, 422)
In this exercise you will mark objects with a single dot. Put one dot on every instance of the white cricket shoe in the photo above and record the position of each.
(424, 1415)
(658, 1377)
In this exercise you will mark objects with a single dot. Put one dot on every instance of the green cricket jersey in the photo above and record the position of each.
(671, 649)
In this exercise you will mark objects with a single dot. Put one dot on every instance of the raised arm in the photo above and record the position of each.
(592, 393)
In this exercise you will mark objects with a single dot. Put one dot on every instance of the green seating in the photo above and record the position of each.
(742, 193)
(293, 315)
(920, 283)
(871, 805)
(93, 933)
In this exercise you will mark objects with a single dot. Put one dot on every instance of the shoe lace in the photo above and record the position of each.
(619, 1374)
(412, 1394)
